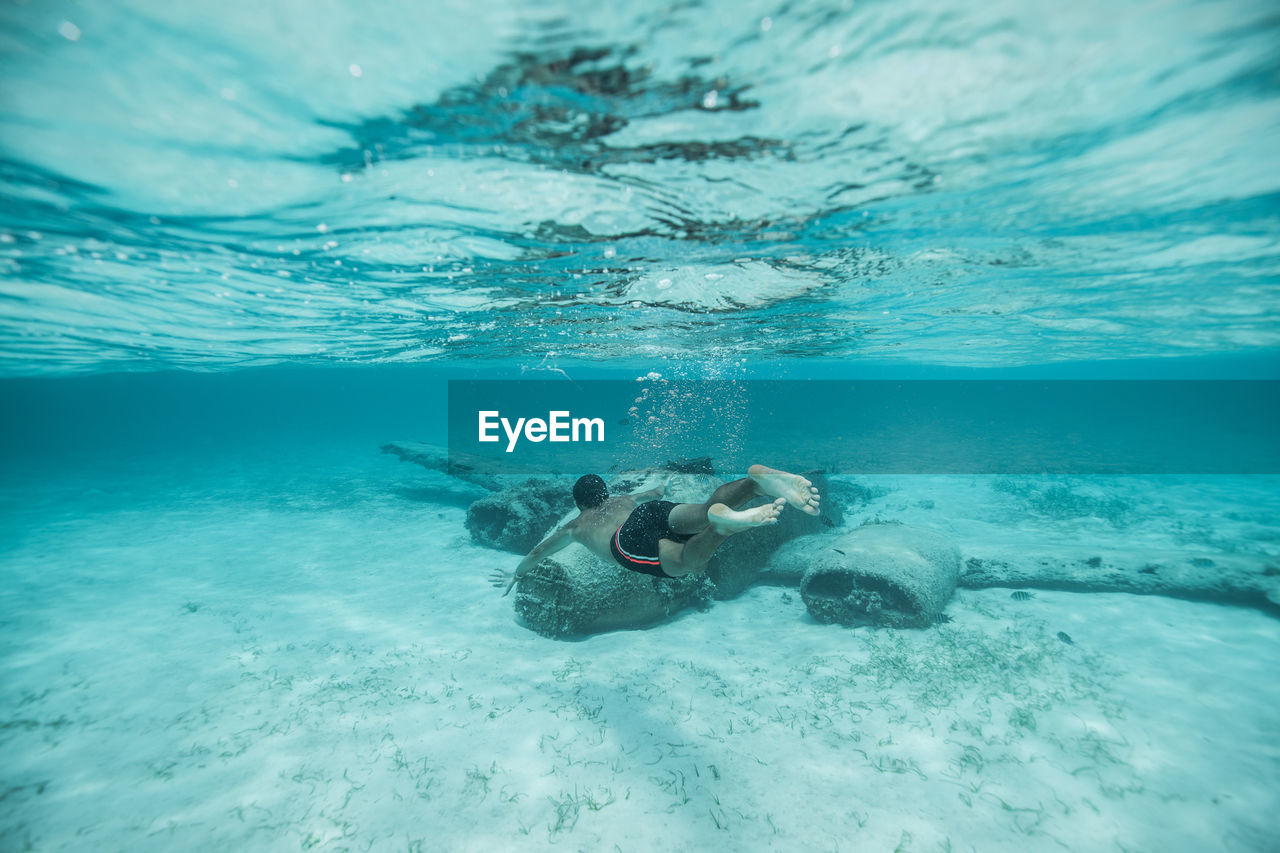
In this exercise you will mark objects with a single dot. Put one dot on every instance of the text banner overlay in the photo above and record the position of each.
(869, 427)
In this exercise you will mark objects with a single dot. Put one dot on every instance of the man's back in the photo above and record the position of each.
(594, 527)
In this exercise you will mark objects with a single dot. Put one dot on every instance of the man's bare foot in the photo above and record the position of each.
(727, 521)
(797, 491)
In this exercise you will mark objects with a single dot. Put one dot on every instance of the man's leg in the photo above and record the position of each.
(723, 522)
(692, 518)
(796, 490)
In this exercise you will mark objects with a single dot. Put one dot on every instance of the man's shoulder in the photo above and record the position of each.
(606, 513)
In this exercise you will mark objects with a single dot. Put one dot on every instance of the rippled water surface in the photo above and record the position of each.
(208, 185)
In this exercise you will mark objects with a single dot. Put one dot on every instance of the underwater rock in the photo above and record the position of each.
(700, 465)
(852, 494)
(1231, 579)
(439, 459)
(518, 517)
(511, 518)
(877, 574)
(575, 592)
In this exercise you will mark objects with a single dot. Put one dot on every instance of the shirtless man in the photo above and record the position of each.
(664, 539)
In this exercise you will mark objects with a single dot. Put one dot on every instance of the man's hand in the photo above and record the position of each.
(554, 543)
(500, 578)
(651, 474)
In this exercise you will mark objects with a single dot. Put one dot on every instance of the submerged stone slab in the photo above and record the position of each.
(1085, 535)
(1236, 579)
(439, 459)
(877, 574)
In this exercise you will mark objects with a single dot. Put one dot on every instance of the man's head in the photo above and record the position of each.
(590, 491)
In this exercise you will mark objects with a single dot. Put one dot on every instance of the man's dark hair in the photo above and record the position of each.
(589, 491)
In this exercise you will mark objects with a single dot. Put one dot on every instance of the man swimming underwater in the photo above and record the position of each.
(667, 540)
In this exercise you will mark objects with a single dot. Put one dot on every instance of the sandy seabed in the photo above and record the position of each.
(259, 658)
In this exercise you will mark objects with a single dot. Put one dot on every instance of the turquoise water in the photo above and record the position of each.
(208, 187)
(244, 246)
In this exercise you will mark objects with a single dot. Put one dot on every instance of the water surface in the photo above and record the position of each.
(992, 185)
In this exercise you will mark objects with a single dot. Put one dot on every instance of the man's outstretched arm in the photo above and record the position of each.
(557, 541)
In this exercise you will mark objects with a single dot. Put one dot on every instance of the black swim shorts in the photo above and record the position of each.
(635, 543)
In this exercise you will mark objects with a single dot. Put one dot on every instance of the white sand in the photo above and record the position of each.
(280, 658)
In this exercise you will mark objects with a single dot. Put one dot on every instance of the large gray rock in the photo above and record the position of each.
(519, 517)
(576, 593)
(877, 574)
